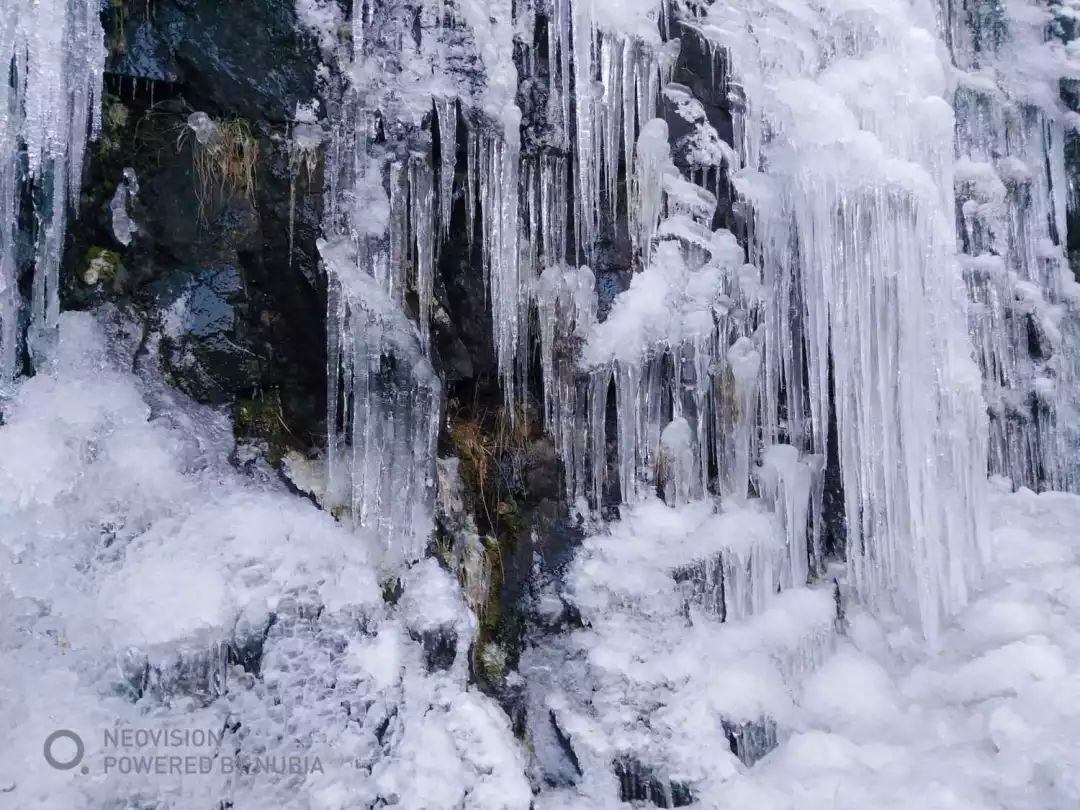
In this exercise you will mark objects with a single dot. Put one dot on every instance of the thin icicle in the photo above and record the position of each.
(498, 186)
(446, 115)
(422, 234)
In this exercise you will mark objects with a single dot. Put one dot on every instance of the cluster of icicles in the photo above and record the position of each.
(729, 364)
(54, 56)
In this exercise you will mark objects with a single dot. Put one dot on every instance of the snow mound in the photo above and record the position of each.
(149, 587)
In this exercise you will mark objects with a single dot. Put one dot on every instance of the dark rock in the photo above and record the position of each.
(246, 650)
(542, 479)
(202, 348)
(245, 57)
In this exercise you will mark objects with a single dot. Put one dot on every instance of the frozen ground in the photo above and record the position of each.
(864, 717)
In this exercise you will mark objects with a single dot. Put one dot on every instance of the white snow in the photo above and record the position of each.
(136, 563)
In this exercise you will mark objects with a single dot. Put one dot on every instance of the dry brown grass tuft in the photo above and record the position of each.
(225, 163)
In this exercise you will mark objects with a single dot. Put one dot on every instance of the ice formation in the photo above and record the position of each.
(50, 101)
(684, 640)
(123, 225)
(383, 395)
(853, 226)
(1011, 196)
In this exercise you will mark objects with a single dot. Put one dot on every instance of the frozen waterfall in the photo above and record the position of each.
(786, 285)
(897, 236)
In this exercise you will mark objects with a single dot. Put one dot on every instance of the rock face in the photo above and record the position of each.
(222, 265)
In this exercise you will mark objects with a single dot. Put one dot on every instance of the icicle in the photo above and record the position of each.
(652, 160)
(553, 208)
(677, 461)
(392, 272)
(472, 161)
(305, 139)
(566, 309)
(500, 225)
(735, 409)
(787, 483)
(599, 384)
(851, 228)
(446, 114)
(383, 396)
(1010, 188)
(423, 233)
(382, 460)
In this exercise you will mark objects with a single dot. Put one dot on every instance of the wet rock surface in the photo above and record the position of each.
(221, 266)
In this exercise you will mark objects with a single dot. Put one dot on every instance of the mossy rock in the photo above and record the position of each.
(491, 660)
(261, 420)
(101, 266)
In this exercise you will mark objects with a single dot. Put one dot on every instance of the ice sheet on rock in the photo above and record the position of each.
(383, 411)
(123, 225)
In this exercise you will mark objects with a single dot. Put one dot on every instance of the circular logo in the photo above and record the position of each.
(61, 764)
